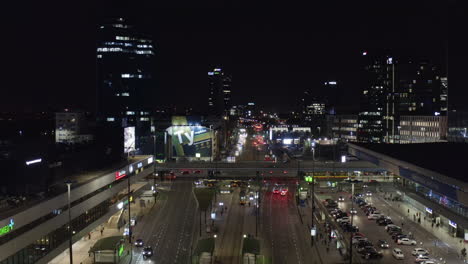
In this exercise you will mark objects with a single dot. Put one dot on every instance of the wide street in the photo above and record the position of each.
(169, 227)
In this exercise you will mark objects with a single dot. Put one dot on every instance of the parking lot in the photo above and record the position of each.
(373, 232)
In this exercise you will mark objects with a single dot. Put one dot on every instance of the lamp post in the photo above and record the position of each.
(313, 197)
(70, 232)
(130, 149)
(352, 218)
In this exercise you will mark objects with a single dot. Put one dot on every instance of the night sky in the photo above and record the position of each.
(273, 52)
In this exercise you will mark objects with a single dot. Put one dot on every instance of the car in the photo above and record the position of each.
(398, 253)
(374, 216)
(284, 191)
(363, 243)
(197, 172)
(368, 193)
(383, 244)
(365, 249)
(384, 222)
(393, 229)
(353, 211)
(276, 190)
(343, 219)
(341, 199)
(139, 242)
(429, 262)
(357, 239)
(406, 241)
(421, 259)
(147, 252)
(391, 226)
(419, 252)
(400, 236)
(347, 227)
(373, 255)
(185, 172)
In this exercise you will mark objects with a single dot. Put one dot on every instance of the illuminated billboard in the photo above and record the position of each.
(129, 139)
(189, 139)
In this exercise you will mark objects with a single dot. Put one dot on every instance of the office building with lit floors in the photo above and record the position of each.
(219, 94)
(422, 129)
(125, 84)
(37, 231)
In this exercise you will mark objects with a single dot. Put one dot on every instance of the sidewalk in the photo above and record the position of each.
(321, 242)
(81, 247)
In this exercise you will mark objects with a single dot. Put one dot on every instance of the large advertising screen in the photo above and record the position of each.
(129, 139)
(190, 140)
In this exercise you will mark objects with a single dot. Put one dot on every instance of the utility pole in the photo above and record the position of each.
(129, 205)
(70, 231)
(351, 233)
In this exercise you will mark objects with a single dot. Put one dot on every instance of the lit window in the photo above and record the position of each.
(144, 118)
(130, 113)
(110, 119)
(125, 94)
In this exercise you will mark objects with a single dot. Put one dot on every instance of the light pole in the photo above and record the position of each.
(313, 197)
(128, 199)
(70, 232)
(352, 217)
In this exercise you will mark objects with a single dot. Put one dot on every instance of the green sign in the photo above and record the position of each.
(309, 178)
(121, 250)
(7, 229)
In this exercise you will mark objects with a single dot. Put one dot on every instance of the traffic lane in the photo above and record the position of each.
(300, 235)
(284, 240)
(228, 249)
(173, 237)
(374, 232)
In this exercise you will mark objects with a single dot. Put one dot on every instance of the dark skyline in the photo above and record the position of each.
(274, 53)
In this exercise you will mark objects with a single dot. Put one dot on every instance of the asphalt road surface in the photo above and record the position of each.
(168, 228)
(284, 235)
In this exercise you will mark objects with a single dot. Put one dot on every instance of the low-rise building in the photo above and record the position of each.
(422, 129)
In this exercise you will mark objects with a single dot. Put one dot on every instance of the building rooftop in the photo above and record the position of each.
(445, 158)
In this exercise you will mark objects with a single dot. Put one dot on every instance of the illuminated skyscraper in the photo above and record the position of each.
(219, 97)
(124, 77)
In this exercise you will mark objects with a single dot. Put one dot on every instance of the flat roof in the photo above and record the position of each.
(448, 159)
(60, 187)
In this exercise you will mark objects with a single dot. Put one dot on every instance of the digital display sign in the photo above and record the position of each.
(129, 139)
(120, 174)
(189, 139)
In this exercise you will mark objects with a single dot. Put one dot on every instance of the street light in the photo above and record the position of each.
(130, 149)
(70, 242)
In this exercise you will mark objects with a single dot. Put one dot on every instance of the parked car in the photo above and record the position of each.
(406, 241)
(421, 259)
(419, 252)
(373, 255)
(398, 253)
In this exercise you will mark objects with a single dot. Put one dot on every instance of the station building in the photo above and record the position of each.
(431, 177)
(38, 231)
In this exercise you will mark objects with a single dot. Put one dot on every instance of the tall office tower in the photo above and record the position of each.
(422, 91)
(125, 85)
(378, 99)
(444, 108)
(219, 97)
(330, 89)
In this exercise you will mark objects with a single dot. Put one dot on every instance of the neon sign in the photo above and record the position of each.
(7, 229)
(120, 174)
